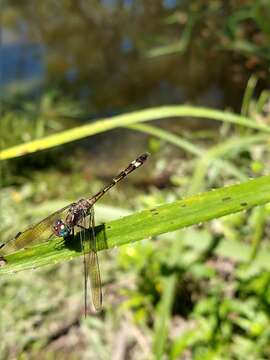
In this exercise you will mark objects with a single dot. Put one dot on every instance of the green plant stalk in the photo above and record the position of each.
(250, 88)
(102, 125)
(164, 307)
(178, 47)
(195, 150)
(262, 101)
(234, 145)
(163, 315)
(173, 139)
(148, 223)
(258, 229)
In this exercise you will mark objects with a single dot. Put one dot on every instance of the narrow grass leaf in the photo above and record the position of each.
(102, 125)
(148, 223)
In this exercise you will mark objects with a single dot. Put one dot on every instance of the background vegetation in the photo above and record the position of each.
(197, 293)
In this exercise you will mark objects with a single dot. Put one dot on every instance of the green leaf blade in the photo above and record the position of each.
(149, 223)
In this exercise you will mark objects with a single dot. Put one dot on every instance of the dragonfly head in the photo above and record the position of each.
(61, 229)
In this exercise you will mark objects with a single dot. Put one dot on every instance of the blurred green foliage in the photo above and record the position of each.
(164, 299)
(182, 295)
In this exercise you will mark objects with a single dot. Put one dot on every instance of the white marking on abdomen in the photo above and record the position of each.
(136, 163)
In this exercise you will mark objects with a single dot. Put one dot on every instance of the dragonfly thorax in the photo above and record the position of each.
(77, 212)
(61, 229)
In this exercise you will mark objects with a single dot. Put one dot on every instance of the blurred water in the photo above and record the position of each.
(99, 54)
(22, 64)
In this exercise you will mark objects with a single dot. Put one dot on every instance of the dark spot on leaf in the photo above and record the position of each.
(243, 203)
(226, 198)
(183, 205)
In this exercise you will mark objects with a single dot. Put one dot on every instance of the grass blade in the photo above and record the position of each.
(163, 219)
(102, 125)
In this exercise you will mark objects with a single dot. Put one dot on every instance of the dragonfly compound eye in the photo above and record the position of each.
(61, 229)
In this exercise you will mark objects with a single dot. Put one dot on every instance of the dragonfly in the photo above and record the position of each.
(62, 224)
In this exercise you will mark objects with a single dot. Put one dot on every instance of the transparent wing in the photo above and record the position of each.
(94, 273)
(82, 225)
(91, 266)
(95, 281)
(34, 234)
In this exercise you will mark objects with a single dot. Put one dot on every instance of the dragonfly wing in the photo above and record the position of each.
(82, 229)
(94, 273)
(95, 280)
(91, 265)
(35, 234)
